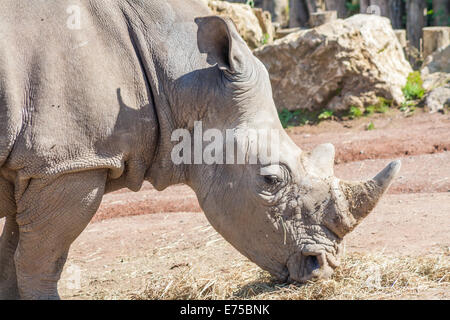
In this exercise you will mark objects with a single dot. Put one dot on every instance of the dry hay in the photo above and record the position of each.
(370, 276)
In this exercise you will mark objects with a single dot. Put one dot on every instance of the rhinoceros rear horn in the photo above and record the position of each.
(363, 196)
(220, 40)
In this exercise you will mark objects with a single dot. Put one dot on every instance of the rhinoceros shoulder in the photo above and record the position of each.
(73, 99)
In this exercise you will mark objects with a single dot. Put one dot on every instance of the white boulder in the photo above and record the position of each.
(343, 63)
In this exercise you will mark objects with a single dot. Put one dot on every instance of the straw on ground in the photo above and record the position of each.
(370, 276)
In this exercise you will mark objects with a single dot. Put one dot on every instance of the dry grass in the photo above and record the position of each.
(360, 277)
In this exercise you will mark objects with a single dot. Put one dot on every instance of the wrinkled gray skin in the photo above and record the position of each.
(85, 112)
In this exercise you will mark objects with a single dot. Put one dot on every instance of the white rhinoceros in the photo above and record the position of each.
(90, 95)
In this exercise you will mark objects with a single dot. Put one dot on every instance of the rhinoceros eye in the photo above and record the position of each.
(272, 175)
(271, 179)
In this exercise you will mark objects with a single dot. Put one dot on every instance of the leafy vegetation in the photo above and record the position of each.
(370, 126)
(285, 116)
(251, 3)
(265, 38)
(438, 15)
(352, 7)
(381, 107)
(413, 89)
(408, 108)
(326, 114)
(355, 112)
(302, 117)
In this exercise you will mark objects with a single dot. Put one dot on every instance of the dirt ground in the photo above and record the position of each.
(137, 235)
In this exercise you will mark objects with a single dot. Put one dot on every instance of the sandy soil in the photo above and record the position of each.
(136, 235)
(394, 136)
(117, 257)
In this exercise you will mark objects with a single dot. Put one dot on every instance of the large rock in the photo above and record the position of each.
(319, 18)
(439, 61)
(413, 55)
(282, 32)
(245, 20)
(436, 79)
(265, 22)
(401, 36)
(205, 2)
(436, 69)
(438, 99)
(435, 38)
(278, 9)
(340, 64)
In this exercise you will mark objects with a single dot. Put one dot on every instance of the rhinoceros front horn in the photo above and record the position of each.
(359, 199)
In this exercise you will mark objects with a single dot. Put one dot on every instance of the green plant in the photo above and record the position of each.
(285, 115)
(410, 111)
(385, 102)
(301, 117)
(354, 112)
(369, 110)
(370, 126)
(381, 107)
(384, 48)
(251, 3)
(413, 89)
(265, 38)
(325, 114)
(441, 17)
(407, 107)
(352, 7)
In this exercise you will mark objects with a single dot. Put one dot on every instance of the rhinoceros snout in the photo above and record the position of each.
(310, 266)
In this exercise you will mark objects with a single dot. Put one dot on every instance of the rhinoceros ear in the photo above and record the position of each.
(220, 40)
(321, 160)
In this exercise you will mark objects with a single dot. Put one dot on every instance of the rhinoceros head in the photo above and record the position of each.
(289, 216)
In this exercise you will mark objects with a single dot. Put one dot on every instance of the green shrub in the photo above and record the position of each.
(381, 107)
(326, 114)
(302, 117)
(285, 115)
(354, 112)
(265, 38)
(413, 89)
(352, 7)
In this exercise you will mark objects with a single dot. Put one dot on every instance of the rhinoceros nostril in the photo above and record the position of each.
(312, 263)
(306, 266)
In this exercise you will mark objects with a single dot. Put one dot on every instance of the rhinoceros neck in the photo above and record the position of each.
(164, 36)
